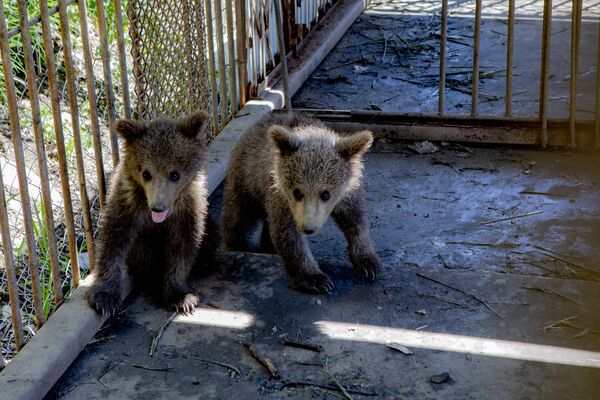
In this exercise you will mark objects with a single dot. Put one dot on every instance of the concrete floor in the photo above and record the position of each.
(419, 204)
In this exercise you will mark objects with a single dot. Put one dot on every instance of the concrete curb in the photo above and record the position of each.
(46, 356)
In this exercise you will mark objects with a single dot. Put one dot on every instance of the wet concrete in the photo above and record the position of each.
(448, 302)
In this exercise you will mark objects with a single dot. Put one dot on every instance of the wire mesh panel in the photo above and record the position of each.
(169, 57)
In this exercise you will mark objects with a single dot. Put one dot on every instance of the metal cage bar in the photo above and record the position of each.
(575, 33)
(545, 69)
(222, 68)
(210, 39)
(242, 50)
(597, 119)
(15, 127)
(231, 58)
(60, 142)
(74, 108)
(443, 42)
(476, 44)
(42, 159)
(509, 58)
(122, 58)
(282, 55)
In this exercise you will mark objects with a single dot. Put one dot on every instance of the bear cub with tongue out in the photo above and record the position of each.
(155, 217)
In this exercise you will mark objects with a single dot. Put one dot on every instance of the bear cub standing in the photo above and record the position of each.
(294, 172)
(155, 216)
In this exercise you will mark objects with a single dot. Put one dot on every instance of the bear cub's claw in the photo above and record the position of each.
(368, 265)
(184, 303)
(314, 283)
(104, 302)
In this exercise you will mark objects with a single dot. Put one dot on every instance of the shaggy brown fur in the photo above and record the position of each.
(294, 172)
(155, 216)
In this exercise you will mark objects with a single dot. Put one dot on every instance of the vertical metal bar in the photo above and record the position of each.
(42, 159)
(222, 68)
(545, 70)
(13, 112)
(232, 70)
(443, 41)
(122, 58)
(575, 33)
(60, 141)
(72, 94)
(282, 54)
(509, 58)
(211, 65)
(9, 262)
(597, 122)
(242, 49)
(476, 43)
(91, 88)
(108, 89)
(9, 266)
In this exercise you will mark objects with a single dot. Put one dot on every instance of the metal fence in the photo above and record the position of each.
(70, 69)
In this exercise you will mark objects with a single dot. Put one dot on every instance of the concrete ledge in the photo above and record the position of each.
(45, 357)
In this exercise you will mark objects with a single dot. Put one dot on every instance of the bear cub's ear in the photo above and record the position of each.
(355, 145)
(130, 130)
(285, 140)
(194, 125)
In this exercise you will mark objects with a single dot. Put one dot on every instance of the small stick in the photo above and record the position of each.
(562, 258)
(543, 193)
(502, 244)
(149, 368)
(343, 64)
(329, 392)
(511, 218)
(159, 334)
(302, 345)
(263, 360)
(339, 385)
(549, 291)
(220, 364)
(330, 387)
(445, 300)
(486, 305)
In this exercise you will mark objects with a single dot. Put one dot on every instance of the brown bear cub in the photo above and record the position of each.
(292, 172)
(156, 212)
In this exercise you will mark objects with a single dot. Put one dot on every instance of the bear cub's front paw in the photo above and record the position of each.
(314, 283)
(367, 264)
(104, 301)
(183, 302)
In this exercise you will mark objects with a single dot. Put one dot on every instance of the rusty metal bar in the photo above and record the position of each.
(476, 43)
(282, 55)
(122, 57)
(13, 112)
(545, 70)
(509, 58)
(597, 121)
(210, 39)
(443, 41)
(42, 159)
(91, 88)
(232, 70)
(9, 266)
(575, 33)
(36, 20)
(60, 141)
(72, 94)
(222, 68)
(240, 30)
(108, 89)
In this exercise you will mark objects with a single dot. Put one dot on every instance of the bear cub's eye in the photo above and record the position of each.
(174, 176)
(146, 175)
(297, 194)
(325, 195)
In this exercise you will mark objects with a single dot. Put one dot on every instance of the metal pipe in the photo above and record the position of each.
(575, 33)
(13, 113)
(443, 40)
(222, 68)
(282, 55)
(35, 20)
(60, 142)
(242, 49)
(122, 58)
(597, 121)
(476, 42)
(211, 66)
(545, 70)
(42, 159)
(91, 89)
(72, 94)
(231, 50)
(509, 58)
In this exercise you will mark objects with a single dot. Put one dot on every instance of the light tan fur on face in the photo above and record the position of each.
(314, 159)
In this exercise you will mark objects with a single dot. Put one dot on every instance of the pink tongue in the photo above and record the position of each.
(159, 217)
